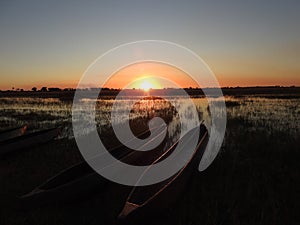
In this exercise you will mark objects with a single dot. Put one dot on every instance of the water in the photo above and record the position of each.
(270, 114)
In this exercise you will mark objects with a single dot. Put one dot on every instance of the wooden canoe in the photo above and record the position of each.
(80, 179)
(12, 133)
(144, 201)
(28, 140)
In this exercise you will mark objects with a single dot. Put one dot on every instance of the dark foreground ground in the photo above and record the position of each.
(254, 180)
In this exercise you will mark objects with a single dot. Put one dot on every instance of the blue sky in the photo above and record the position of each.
(244, 42)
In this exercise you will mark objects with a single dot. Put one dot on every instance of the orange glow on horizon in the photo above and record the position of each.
(142, 76)
(125, 76)
(146, 83)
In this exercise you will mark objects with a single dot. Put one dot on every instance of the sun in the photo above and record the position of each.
(146, 85)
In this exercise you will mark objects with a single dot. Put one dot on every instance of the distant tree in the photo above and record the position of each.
(54, 89)
(44, 89)
(34, 89)
(69, 89)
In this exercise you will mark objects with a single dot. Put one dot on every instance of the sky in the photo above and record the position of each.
(245, 43)
(152, 75)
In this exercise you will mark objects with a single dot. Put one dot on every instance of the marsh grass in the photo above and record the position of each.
(254, 179)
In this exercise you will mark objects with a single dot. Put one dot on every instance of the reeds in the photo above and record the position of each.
(254, 179)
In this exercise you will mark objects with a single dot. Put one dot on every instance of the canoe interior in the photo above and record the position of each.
(12, 129)
(83, 169)
(12, 133)
(29, 135)
(66, 176)
(142, 194)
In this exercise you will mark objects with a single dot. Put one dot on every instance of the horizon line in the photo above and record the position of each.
(52, 88)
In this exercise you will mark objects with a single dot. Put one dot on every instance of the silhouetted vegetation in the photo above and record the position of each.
(67, 94)
(254, 179)
(44, 89)
(54, 89)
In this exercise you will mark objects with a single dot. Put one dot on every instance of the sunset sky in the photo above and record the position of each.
(245, 43)
(142, 75)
